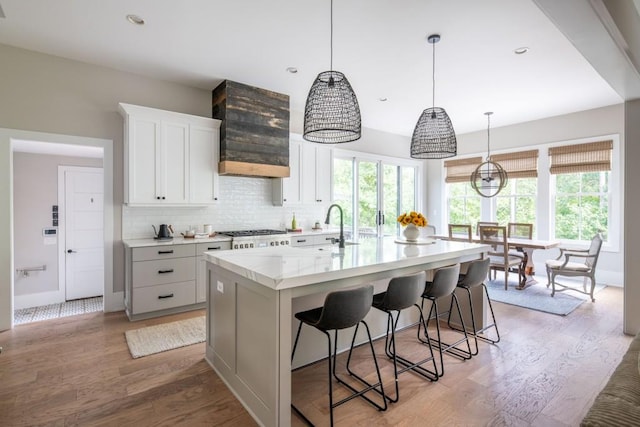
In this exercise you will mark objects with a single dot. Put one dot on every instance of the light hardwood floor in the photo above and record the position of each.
(546, 371)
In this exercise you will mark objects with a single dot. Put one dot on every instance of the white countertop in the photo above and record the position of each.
(287, 267)
(141, 243)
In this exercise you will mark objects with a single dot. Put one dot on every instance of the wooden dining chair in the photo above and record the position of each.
(483, 223)
(519, 230)
(496, 236)
(460, 231)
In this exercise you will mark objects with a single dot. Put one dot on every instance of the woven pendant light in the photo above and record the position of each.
(489, 178)
(332, 113)
(433, 136)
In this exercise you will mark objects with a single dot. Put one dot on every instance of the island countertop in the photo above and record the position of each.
(288, 267)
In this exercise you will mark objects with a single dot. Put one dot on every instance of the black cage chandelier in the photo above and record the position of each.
(489, 178)
(331, 114)
(433, 136)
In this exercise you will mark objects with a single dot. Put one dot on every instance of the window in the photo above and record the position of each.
(581, 200)
(517, 201)
(581, 205)
(373, 192)
(463, 203)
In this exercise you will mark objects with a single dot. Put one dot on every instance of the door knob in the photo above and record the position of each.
(71, 251)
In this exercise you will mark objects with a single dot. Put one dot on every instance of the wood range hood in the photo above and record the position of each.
(254, 135)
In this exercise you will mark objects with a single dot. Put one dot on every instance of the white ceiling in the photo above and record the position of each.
(379, 44)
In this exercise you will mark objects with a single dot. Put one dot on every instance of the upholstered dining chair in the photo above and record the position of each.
(460, 231)
(575, 263)
(496, 236)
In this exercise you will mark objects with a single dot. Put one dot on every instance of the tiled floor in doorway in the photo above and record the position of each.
(53, 311)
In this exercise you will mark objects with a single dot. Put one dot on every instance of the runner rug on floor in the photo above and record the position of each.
(538, 296)
(166, 336)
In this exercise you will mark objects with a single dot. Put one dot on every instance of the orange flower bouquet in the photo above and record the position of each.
(415, 218)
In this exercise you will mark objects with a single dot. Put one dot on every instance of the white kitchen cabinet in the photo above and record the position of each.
(288, 190)
(204, 148)
(169, 158)
(316, 173)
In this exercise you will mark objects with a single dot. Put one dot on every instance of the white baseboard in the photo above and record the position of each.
(112, 302)
(37, 300)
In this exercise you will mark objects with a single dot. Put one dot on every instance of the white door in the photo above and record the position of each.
(84, 236)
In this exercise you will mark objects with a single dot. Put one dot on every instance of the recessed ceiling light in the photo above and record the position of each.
(292, 70)
(135, 19)
(383, 99)
(521, 50)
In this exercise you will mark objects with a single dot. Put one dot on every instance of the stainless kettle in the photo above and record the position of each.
(164, 232)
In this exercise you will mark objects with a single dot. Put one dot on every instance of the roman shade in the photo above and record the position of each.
(460, 170)
(522, 164)
(589, 157)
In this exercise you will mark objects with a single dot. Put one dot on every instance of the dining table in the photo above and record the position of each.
(525, 246)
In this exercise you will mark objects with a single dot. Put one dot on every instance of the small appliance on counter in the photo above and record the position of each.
(164, 233)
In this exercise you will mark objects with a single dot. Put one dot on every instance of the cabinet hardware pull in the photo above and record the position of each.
(165, 252)
(301, 240)
(213, 248)
(165, 271)
(165, 296)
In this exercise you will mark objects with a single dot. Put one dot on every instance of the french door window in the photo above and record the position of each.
(373, 192)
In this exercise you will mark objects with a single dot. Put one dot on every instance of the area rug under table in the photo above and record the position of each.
(538, 297)
(166, 336)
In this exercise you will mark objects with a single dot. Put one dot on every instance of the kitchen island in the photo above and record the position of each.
(253, 294)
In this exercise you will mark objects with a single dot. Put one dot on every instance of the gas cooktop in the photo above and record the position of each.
(251, 233)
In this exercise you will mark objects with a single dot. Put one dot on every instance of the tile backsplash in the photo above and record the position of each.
(244, 203)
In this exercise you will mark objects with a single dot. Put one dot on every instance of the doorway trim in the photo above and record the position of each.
(113, 301)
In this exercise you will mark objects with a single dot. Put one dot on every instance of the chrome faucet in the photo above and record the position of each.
(326, 221)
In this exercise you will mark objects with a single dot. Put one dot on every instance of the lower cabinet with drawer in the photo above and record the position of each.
(166, 279)
(314, 239)
(160, 280)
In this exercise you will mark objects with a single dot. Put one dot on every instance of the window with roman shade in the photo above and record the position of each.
(460, 170)
(522, 164)
(589, 157)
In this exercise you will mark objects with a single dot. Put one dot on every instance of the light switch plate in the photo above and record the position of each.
(220, 287)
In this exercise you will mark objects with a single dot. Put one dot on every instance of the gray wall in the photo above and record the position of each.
(632, 212)
(35, 187)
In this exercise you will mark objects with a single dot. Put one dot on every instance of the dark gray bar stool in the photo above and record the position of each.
(476, 274)
(341, 310)
(403, 292)
(444, 284)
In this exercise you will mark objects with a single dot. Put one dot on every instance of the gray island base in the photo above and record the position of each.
(253, 294)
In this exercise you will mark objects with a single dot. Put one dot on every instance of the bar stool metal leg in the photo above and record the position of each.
(476, 273)
(341, 310)
(444, 284)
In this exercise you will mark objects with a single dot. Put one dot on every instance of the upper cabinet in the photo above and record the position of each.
(316, 173)
(288, 190)
(169, 158)
(310, 181)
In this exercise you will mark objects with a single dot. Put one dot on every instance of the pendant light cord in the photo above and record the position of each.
(433, 77)
(331, 46)
(488, 136)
